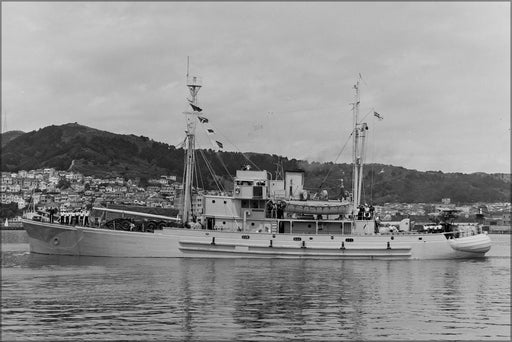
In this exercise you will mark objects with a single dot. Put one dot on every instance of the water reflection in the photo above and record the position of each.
(68, 298)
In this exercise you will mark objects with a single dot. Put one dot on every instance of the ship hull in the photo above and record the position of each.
(55, 239)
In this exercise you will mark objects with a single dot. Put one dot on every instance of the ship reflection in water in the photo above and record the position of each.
(68, 298)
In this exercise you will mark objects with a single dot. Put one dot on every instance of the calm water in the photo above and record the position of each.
(82, 298)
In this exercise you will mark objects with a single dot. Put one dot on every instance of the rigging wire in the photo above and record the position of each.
(372, 179)
(334, 163)
(364, 117)
(212, 172)
(200, 176)
(181, 144)
(183, 192)
(217, 154)
(242, 153)
(195, 172)
(217, 151)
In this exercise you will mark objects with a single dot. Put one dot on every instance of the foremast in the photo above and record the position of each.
(358, 135)
(194, 85)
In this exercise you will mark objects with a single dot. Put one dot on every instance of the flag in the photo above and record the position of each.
(195, 108)
(210, 131)
(219, 144)
(202, 119)
(378, 115)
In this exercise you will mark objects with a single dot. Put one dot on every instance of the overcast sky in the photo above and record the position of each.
(277, 77)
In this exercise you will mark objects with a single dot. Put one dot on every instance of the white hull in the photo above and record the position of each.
(46, 238)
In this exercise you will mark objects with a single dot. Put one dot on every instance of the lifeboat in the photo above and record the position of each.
(318, 207)
(480, 243)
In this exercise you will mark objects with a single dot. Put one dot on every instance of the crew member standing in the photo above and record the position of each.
(86, 218)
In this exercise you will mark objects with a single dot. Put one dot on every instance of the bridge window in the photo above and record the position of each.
(257, 191)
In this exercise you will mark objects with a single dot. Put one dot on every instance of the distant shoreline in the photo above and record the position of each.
(12, 226)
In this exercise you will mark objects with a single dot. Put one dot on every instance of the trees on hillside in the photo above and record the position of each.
(9, 210)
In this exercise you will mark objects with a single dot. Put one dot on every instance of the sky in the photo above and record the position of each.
(277, 76)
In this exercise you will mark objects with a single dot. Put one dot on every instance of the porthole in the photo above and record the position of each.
(245, 236)
(349, 240)
(297, 239)
(213, 201)
(252, 223)
(223, 222)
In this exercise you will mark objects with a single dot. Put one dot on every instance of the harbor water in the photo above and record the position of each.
(59, 298)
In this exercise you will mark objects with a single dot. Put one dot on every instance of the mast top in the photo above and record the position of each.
(194, 81)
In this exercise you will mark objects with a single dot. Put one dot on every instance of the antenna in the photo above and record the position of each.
(187, 65)
(4, 122)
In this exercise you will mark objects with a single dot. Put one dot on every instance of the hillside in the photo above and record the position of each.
(89, 151)
(100, 153)
(8, 136)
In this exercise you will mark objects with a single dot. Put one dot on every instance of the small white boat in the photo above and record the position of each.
(264, 218)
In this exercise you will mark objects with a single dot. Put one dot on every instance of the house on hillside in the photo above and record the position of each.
(156, 202)
(498, 222)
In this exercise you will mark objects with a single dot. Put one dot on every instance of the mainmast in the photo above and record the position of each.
(194, 85)
(359, 134)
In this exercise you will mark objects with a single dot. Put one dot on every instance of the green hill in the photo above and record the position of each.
(104, 154)
(10, 135)
(89, 151)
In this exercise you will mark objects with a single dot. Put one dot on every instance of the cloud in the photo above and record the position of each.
(438, 72)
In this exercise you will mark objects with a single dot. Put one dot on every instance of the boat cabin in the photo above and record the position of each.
(262, 205)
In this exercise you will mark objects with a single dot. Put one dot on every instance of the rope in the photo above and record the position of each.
(332, 167)
(243, 154)
(216, 148)
(217, 154)
(201, 177)
(184, 170)
(195, 172)
(372, 180)
(181, 144)
(364, 117)
(212, 172)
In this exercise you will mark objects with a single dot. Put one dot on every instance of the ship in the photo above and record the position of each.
(260, 218)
